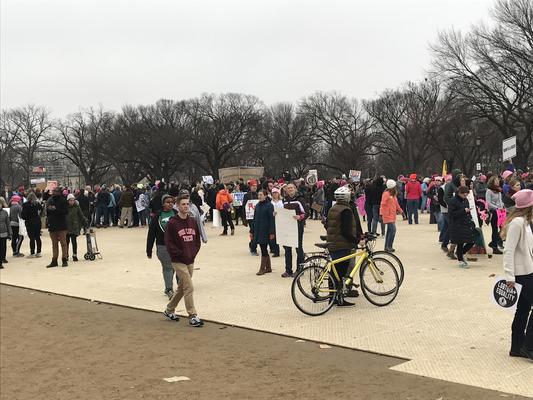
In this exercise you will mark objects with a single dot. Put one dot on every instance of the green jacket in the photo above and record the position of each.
(75, 219)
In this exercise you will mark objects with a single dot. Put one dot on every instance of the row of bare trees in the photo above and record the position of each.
(479, 92)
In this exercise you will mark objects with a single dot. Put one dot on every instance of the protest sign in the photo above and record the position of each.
(216, 219)
(286, 228)
(138, 204)
(355, 176)
(238, 198)
(312, 177)
(250, 209)
(51, 185)
(504, 296)
(208, 179)
(509, 148)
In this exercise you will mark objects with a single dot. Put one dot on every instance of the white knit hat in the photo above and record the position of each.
(71, 197)
(391, 184)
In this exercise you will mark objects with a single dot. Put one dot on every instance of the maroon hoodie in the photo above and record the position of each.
(182, 239)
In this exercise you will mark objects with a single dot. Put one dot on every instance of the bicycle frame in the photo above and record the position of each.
(364, 253)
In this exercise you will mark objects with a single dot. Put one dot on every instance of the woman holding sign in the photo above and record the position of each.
(518, 267)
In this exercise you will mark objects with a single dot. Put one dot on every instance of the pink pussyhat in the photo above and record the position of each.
(319, 184)
(506, 174)
(15, 199)
(523, 198)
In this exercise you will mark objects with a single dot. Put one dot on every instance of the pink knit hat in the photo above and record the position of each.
(506, 174)
(523, 198)
(15, 198)
(319, 184)
(482, 178)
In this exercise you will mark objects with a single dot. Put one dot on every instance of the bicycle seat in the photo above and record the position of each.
(369, 236)
(322, 245)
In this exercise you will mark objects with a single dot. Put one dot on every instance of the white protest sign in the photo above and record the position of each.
(37, 180)
(473, 210)
(208, 179)
(312, 177)
(250, 209)
(216, 219)
(355, 175)
(509, 148)
(286, 228)
(139, 205)
(504, 296)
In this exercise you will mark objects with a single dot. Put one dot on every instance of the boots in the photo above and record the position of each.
(268, 267)
(64, 262)
(262, 268)
(52, 264)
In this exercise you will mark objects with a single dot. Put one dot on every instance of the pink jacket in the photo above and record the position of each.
(413, 190)
(389, 207)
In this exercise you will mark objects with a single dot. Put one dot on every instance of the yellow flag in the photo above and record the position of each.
(444, 168)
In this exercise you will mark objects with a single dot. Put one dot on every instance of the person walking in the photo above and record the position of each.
(224, 203)
(461, 228)
(493, 197)
(5, 231)
(56, 209)
(264, 229)
(126, 205)
(182, 240)
(75, 221)
(156, 233)
(294, 201)
(15, 211)
(31, 214)
(388, 209)
(413, 194)
(518, 268)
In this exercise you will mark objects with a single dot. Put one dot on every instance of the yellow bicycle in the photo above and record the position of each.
(316, 288)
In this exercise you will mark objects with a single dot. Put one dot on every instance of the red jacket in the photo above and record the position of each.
(413, 190)
(182, 239)
(389, 207)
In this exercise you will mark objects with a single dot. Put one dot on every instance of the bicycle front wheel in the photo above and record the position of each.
(379, 281)
(394, 260)
(314, 290)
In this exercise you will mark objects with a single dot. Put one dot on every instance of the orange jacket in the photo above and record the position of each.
(389, 207)
(223, 197)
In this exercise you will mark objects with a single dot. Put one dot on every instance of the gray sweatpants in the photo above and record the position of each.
(166, 263)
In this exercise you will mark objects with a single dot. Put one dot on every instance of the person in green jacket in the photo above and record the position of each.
(75, 221)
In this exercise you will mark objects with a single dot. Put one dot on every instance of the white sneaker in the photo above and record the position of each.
(195, 321)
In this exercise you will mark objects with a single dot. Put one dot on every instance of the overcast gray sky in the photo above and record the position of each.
(67, 54)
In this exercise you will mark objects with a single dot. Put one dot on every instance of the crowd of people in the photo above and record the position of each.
(176, 215)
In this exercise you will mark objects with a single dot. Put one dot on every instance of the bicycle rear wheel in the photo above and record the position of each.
(313, 290)
(394, 260)
(379, 283)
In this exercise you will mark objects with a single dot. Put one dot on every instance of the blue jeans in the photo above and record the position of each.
(375, 220)
(389, 237)
(412, 210)
(444, 237)
(102, 210)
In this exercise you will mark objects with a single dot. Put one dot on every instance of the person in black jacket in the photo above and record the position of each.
(156, 233)
(263, 229)
(31, 214)
(102, 202)
(251, 195)
(376, 191)
(56, 210)
(461, 229)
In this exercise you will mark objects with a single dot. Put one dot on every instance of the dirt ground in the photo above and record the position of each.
(55, 347)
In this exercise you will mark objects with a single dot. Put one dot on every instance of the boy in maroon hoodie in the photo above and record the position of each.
(182, 239)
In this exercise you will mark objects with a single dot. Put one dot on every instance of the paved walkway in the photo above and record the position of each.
(442, 320)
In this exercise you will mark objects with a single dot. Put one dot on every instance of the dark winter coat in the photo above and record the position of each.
(156, 233)
(264, 224)
(31, 213)
(461, 227)
(85, 205)
(57, 217)
(75, 219)
(126, 199)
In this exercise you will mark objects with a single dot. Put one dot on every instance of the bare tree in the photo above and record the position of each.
(220, 126)
(83, 140)
(341, 125)
(31, 129)
(491, 69)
